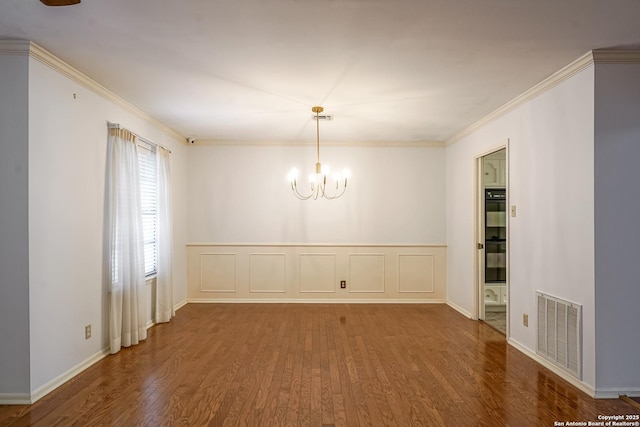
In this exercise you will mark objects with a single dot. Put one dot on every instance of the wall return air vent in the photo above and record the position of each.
(559, 333)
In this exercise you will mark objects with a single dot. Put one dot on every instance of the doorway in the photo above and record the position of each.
(492, 239)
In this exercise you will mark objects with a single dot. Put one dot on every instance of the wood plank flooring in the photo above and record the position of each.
(497, 318)
(316, 365)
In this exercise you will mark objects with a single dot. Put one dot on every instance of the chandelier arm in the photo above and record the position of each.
(335, 196)
(319, 192)
(337, 193)
(316, 190)
(301, 197)
(294, 187)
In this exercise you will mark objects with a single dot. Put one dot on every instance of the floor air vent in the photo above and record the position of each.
(559, 334)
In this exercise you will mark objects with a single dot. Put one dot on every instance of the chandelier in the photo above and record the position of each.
(324, 183)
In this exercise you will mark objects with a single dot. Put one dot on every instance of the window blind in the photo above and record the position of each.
(149, 205)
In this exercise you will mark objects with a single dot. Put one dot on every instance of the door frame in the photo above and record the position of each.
(478, 234)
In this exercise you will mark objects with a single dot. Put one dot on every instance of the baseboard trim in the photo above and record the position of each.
(181, 304)
(586, 388)
(630, 401)
(61, 379)
(311, 301)
(28, 399)
(609, 393)
(459, 309)
(15, 399)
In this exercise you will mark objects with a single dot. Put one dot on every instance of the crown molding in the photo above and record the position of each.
(417, 144)
(600, 56)
(14, 47)
(616, 56)
(550, 82)
(67, 70)
(33, 50)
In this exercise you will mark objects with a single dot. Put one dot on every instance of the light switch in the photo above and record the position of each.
(513, 211)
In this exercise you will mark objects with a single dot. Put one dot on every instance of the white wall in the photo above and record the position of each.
(240, 194)
(551, 183)
(617, 230)
(67, 155)
(241, 205)
(14, 250)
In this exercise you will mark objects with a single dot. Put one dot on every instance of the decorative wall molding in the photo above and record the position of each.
(317, 273)
(416, 273)
(25, 47)
(318, 245)
(604, 56)
(366, 272)
(275, 273)
(218, 272)
(267, 272)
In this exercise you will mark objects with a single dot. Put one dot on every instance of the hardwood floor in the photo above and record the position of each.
(497, 319)
(318, 365)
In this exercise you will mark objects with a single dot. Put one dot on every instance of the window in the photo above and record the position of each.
(149, 205)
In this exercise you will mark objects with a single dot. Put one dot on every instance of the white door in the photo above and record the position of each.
(492, 239)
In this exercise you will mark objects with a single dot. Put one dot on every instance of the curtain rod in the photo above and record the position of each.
(146, 141)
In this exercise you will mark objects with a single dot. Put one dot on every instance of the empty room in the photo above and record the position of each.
(335, 213)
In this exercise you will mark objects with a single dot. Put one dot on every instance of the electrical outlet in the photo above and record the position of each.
(343, 284)
(87, 332)
(525, 320)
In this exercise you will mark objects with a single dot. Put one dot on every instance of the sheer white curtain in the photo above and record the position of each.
(125, 242)
(164, 284)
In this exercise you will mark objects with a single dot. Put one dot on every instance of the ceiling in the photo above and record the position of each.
(400, 71)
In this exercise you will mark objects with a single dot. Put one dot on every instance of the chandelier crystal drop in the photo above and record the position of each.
(323, 183)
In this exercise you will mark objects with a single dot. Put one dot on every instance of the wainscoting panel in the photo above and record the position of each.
(366, 273)
(415, 273)
(267, 273)
(317, 272)
(312, 273)
(217, 272)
